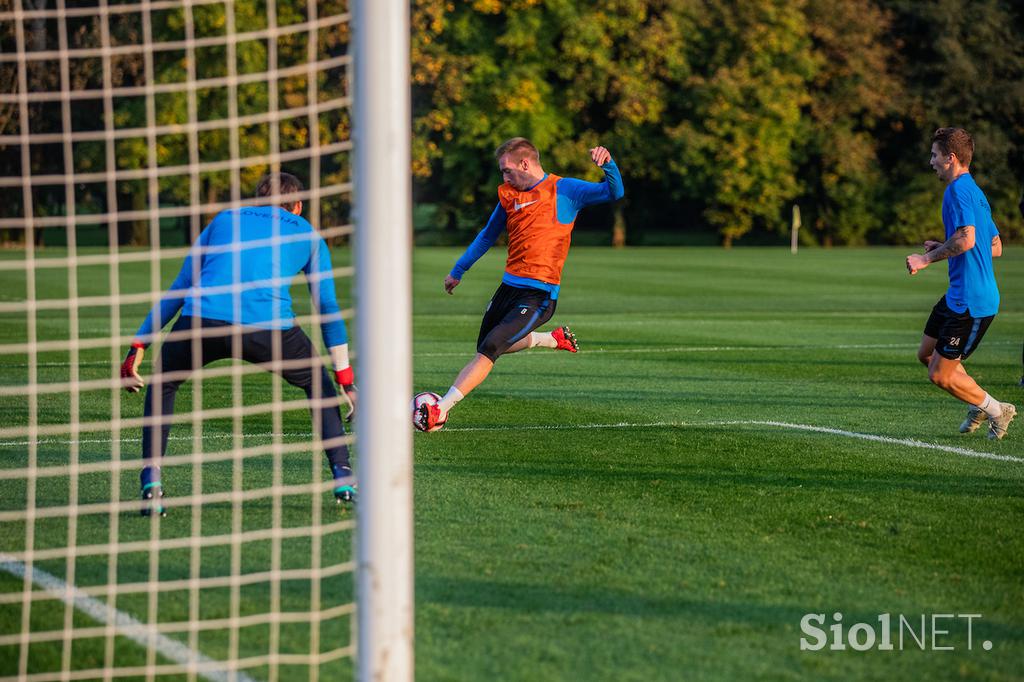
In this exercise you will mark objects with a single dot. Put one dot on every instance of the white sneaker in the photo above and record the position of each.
(975, 417)
(997, 425)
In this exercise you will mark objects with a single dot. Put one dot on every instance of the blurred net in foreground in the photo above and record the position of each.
(124, 128)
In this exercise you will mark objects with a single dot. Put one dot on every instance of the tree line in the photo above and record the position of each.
(214, 145)
(722, 114)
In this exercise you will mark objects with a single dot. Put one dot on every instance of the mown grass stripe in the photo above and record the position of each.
(125, 625)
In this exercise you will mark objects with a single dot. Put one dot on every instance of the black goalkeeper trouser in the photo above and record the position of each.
(177, 361)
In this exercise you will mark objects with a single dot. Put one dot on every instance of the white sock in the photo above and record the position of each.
(991, 406)
(543, 339)
(450, 398)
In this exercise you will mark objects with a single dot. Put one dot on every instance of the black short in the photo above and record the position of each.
(958, 334)
(297, 359)
(512, 314)
(287, 352)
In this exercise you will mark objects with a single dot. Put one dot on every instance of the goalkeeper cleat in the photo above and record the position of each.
(152, 500)
(997, 425)
(565, 339)
(975, 418)
(344, 484)
(346, 494)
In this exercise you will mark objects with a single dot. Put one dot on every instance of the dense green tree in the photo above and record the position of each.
(853, 91)
(748, 92)
(622, 64)
(171, 109)
(481, 74)
(962, 63)
(701, 100)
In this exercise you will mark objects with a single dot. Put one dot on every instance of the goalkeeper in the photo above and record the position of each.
(233, 294)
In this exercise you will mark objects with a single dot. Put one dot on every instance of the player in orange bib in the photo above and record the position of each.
(539, 210)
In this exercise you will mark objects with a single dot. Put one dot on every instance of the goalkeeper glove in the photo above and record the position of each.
(345, 377)
(130, 379)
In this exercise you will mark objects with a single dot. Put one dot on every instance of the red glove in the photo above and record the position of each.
(345, 377)
(347, 380)
(130, 378)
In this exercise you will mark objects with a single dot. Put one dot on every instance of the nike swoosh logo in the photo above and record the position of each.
(518, 206)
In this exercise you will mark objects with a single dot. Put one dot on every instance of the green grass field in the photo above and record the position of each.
(657, 507)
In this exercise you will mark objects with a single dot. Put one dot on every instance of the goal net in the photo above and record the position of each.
(125, 128)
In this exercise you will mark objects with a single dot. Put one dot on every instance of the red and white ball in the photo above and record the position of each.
(425, 398)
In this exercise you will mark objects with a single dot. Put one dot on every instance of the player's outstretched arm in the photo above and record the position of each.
(320, 279)
(612, 178)
(171, 303)
(480, 245)
(575, 194)
(162, 313)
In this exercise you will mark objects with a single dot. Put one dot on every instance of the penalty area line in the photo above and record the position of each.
(124, 624)
(907, 442)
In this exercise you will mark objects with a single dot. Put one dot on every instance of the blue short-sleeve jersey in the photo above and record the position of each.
(240, 270)
(972, 280)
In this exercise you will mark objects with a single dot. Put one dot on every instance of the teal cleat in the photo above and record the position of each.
(346, 494)
(152, 499)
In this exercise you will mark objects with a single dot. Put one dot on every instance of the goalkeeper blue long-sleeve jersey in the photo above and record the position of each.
(245, 260)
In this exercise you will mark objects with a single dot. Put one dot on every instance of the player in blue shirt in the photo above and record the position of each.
(234, 286)
(962, 316)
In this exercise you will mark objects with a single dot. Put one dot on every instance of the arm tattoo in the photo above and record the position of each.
(954, 246)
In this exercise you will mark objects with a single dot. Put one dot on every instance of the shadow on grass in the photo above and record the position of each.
(531, 598)
(705, 476)
(549, 598)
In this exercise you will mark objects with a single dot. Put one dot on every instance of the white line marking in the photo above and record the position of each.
(125, 625)
(909, 442)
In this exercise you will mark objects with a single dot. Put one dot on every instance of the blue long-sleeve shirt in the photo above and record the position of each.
(245, 260)
(572, 195)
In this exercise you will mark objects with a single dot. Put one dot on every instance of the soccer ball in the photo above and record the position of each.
(425, 398)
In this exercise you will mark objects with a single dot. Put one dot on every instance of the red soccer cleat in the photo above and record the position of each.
(427, 417)
(565, 339)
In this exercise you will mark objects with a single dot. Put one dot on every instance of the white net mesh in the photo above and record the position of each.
(125, 127)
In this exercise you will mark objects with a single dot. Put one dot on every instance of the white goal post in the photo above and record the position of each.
(383, 235)
(125, 127)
